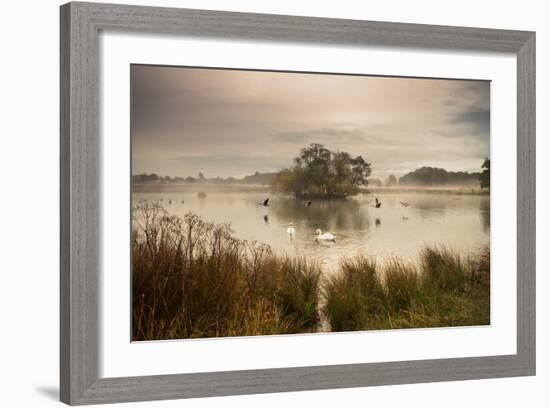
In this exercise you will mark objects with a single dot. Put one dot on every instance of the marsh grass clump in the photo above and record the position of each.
(355, 296)
(401, 286)
(192, 278)
(444, 271)
(298, 291)
(444, 290)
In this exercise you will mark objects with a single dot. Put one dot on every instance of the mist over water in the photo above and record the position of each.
(458, 222)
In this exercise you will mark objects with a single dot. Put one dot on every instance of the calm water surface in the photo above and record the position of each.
(459, 222)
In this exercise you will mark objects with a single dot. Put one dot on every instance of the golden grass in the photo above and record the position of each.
(191, 278)
(444, 290)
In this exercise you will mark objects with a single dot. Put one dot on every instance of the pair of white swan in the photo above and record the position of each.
(319, 235)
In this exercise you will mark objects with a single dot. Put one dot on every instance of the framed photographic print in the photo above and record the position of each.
(261, 203)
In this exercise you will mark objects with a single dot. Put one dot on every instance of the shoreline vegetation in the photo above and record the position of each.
(319, 173)
(195, 279)
(139, 187)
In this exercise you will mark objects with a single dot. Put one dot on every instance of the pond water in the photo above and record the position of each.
(456, 221)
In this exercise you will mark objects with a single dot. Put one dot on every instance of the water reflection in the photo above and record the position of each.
(485, 215)
(459, 222)
(322, 214)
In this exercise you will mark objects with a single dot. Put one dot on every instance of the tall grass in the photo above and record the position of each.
(353, 296)
(191, 278)
(444, 290)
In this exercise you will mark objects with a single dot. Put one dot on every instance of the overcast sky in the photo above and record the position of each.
(233, 123)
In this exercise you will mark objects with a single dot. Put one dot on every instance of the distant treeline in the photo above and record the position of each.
(429, 176)
(424, 176)
(433, 176)
(256, 178)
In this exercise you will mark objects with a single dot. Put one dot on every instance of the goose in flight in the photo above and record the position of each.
(377, 204)
(327, 236)
(404, 204)
(308, 204)
(265, 203)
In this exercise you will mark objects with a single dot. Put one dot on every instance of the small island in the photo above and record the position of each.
(320, 173)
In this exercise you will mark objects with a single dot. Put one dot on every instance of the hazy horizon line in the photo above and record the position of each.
(277, 171)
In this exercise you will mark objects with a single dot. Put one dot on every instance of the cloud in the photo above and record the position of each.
(476, 119)
(322, 135)
(234, 122)
(472, 126)
(231, 163)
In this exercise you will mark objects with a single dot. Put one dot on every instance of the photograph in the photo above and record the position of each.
(279, 202)
(275, 204)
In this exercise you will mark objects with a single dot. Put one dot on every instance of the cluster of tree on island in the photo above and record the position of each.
(319, 172)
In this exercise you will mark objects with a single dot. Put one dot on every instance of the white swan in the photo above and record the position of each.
(327, 236)
(290, 229)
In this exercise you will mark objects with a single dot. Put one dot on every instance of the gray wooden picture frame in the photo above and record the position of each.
(81, 24)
